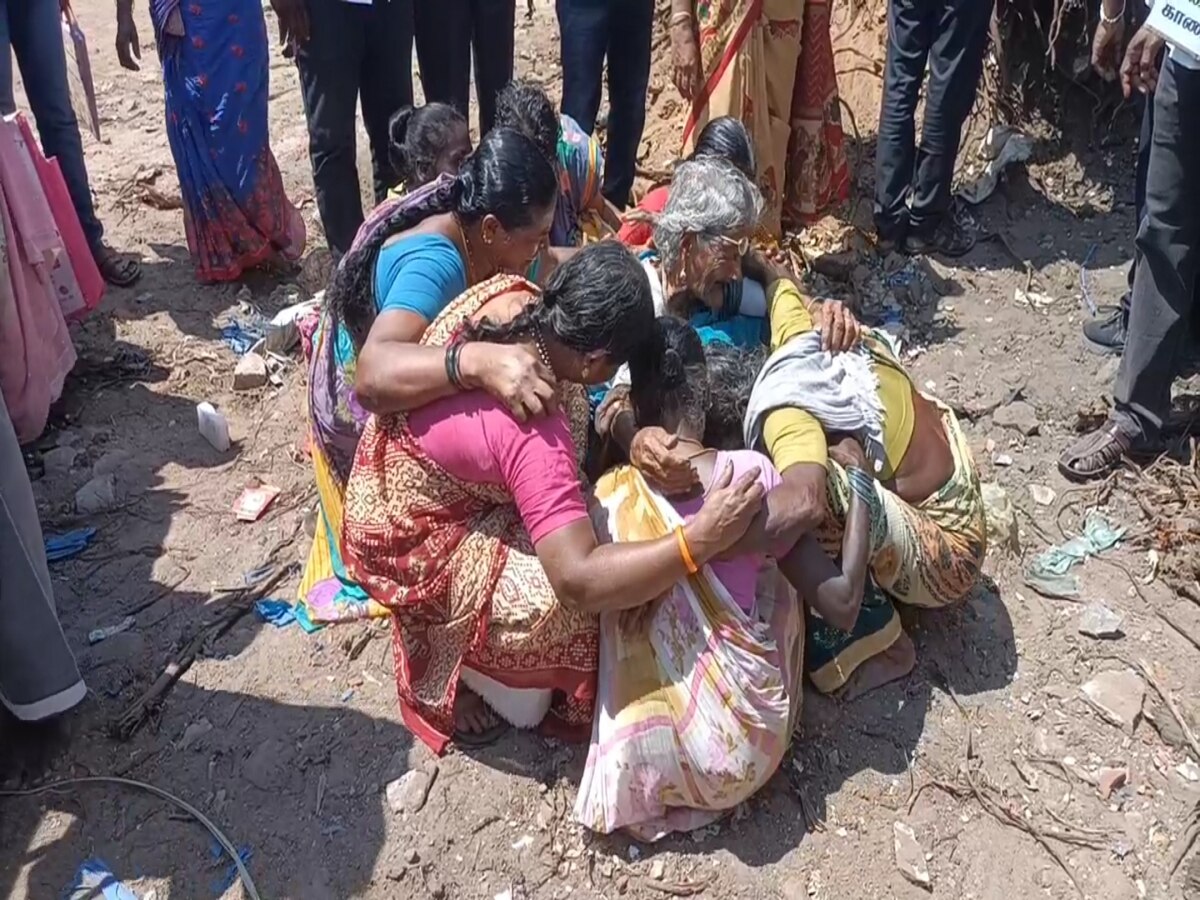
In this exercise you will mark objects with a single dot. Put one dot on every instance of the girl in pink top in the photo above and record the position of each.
(671, 389)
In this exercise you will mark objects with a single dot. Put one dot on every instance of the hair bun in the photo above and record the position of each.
(672, 367)
(397, 133)
(463, 189)
(398, 124)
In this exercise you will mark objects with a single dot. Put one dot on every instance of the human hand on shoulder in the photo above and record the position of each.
(615, 402)
(513, 374)
(655, 454)
(729, 508)
(840, 328)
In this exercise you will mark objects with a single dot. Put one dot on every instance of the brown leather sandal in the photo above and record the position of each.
(1096, 454)
(117, 270)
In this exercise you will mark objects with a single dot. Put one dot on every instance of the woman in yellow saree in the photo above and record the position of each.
(770, 64)
(699, 693)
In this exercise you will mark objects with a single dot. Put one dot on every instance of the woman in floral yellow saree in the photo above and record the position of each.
(770, 64)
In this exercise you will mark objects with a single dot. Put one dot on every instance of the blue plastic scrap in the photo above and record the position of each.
(227, 878)
(240, 338)
(95, 881)
(278, 612)
(1049, 574)
(64, 546)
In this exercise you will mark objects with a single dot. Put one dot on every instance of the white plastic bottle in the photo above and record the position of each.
(213, 426)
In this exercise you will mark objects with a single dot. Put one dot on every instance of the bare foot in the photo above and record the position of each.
(471, 714)
(892, 664)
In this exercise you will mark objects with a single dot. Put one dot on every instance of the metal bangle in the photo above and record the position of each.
(863, 485)
(1119, 17)
(453, 375)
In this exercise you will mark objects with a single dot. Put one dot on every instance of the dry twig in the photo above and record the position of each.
(1151, 679)
(1003, 814)
(680, 888)
(125, 725)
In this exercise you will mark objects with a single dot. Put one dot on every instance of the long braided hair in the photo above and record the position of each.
(506, 177)
(599, 299)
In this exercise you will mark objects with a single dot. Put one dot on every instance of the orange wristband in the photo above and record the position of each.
(685, 551)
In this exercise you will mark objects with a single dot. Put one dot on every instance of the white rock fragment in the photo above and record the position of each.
(1117, 695)
(910, 858)
(1098, 621)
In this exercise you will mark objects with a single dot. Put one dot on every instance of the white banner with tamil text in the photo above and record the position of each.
(1179, 22)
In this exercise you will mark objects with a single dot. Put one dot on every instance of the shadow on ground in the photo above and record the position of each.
(254, 764)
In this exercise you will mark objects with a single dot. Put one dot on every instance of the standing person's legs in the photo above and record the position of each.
(1106, 334)
(583, 33)
(630, 29)
(386, 82)
(35, 34)
(35, 31)
(1164, 287)
(1169, 264)
(492, 34)
(443, 36)
(330, 64)
(910, 34)
(955, 66)
(38, 674)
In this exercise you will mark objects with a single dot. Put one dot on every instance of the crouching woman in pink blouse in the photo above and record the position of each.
(470, 524)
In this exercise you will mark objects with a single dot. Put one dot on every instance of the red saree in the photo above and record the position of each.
(453, 563)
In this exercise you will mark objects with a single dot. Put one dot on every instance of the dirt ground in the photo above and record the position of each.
(989, 751)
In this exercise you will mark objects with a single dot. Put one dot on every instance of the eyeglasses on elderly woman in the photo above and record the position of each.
(740, 246)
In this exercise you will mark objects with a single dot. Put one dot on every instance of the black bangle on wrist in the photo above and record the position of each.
(453, 372)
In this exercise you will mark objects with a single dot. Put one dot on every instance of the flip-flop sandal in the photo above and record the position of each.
(484, 738)
(118, 271)
(1095, 455)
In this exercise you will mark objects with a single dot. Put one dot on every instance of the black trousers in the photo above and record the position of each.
(1139, 183)
(354, 51)
(1164, 300)
(447, 30)
(590, 30)
(912, 184)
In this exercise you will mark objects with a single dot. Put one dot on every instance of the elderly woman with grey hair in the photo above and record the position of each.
(705, 260)
(704, 268)
(931, 538)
